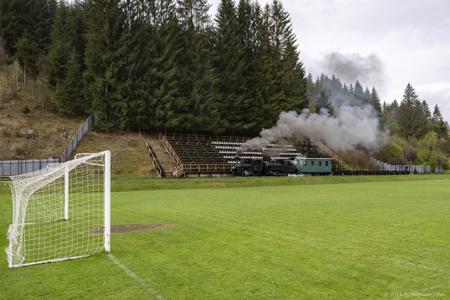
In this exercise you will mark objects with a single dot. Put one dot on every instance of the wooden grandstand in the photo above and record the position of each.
(209, 155)
(214, 155)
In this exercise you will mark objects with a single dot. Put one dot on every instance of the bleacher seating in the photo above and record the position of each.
(191, 152)
(209, 154)
(310, 149)
(216, 154)
(229, 151)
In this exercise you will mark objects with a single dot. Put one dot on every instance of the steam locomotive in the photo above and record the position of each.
(267, 166)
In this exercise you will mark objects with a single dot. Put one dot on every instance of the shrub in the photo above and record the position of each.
(20, 152)
(392, 154)
(26, 110)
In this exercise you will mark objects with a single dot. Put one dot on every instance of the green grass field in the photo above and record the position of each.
(260, 238)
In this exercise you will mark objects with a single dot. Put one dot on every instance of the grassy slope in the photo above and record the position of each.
(128, 153)
(355, 240)
(51, 132)
(129, 156)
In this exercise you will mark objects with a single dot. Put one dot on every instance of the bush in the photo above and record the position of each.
(20, 152)
(446, 164)
(7, 132)
(392, 154)
(18, 133)
(26, 110)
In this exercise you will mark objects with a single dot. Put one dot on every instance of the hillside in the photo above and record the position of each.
(129, 157)
(43, 134)
(29, 131)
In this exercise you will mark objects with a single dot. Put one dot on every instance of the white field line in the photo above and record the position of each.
(139, 280)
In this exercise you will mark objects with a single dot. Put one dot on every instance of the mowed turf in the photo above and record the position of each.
(322, 241)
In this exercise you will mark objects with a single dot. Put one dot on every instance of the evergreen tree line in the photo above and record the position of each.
(25, 28)
(412, 118)
(329, 93)
(164, 64)
(150, 64)
(418, 135)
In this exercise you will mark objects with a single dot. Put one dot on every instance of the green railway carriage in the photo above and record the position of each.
(319, 166)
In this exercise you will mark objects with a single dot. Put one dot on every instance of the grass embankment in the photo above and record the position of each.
(129, 157)
(372, 237)
(28, 130)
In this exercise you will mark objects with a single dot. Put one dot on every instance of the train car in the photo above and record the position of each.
(281, 167)
(248, 167)
(314, 166)
(263, 167)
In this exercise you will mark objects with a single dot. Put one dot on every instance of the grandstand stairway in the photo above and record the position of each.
(163, 159)
(339, 166)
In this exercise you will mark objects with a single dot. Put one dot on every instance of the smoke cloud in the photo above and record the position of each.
(349, 128)
(353, 67)
(353, 124)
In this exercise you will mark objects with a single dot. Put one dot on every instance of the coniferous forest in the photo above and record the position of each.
(162, 64)
(171, 65)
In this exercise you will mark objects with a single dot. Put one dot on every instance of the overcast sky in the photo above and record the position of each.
(410, 38)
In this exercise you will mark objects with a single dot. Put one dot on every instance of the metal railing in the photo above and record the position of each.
(176, 160)
(17, 167)
(82, 131)
(206, 168)
(159, 170)
(342, 165)
(205, 137)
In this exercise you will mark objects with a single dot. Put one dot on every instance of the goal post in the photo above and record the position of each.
(61, 212)
(107, 202)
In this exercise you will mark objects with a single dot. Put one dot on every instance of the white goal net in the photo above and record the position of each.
(61, 212)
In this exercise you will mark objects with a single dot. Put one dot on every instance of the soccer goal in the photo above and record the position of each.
(61, 212)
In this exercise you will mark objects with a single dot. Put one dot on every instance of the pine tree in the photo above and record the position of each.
(367, 96)
(26, 17)
(358, 92)
(426, 110)
(289, 84)
(263, 65)
(195, 66)
(60, 48)
(439, 125)
(375, 101)
(159, 80)
(69, 95)
(67, 44)
(225, 62)
(172, 108)
(389, 117)
(323, 103)
(140, 44)
(105, 63)
(27, 56)
(411, 118)
(245, 70)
